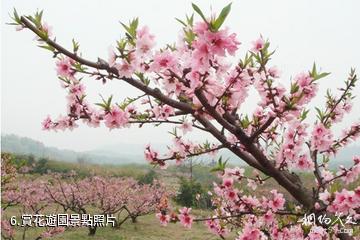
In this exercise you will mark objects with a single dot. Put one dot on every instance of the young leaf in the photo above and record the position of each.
(220, 166)
(304, 115)
(220, 20)
(48, 47)
(313, 72)
(76, 45)
(322, 75)
(180, 21)
(197, 9)
(16, 18)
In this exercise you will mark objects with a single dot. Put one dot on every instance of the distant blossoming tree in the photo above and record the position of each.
(198, 85)
(31, 199)
(103, 196)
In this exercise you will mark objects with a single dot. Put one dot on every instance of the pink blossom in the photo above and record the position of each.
(163, 218)
(185, 218)
(220, 41)
(186, 126)
(321, 138)
(94, 119)
(344, 202)
(269, 217)
(215, 227)
(163, 61)
(144, 42)
(116, 118)
(274, 72)
(163, 112)
(150, 155)
(7, 230)
(125, 69)
(353, 173)
(249, 233)
(252, 184)
(304, 163)
(258, 45)
(232, 194)
(307, 88)
(200, 28)
(47, 123)
(277, 202)
(325, 196)
(228, 182)
(112, 57)
(235, 172)
(327, 175)
(63, 67)
(201, 54)
(77, 90)
(47, 29)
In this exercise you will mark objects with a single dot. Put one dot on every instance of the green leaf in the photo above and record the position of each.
(109, 101)
(131, 30)
(315, 75)
(126, 27)
(322, 75)
(304, 115)
(220, 166)
(180, 21)
(190, 20)
(197, 9)
(48, 47)
(189, 36)
(76, 45)
(294, 88)
(101, 105)
(16, 15)
(16, 18)
(220, 20)
(313, 72)
(320, 113)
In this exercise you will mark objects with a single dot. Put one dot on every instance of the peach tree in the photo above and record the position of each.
(197, 84)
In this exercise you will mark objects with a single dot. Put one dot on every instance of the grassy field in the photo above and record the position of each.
(146, 227)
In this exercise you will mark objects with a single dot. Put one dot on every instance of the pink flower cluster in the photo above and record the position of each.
(216, 227)
(163, 112)
(116, 118)
(307, 88)
(209, 44)
(185, 218)
(180, 150)
(277, 202)
(345, 202)
(163, 218)
(64, 67)
(291, 152)
(7, 231)
(250, 232)
(321, 138)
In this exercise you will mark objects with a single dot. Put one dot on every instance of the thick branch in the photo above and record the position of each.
(262, 128)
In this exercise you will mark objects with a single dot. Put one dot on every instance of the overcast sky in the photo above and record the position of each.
(327, 32)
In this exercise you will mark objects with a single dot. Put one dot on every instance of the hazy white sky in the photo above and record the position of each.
(327, 32)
